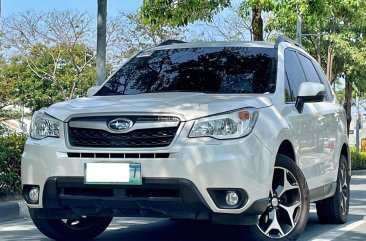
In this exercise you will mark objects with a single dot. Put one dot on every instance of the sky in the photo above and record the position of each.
(9, 7)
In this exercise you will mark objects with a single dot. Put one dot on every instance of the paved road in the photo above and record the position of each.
(145, 229)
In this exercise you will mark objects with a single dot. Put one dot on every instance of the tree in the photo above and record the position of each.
(159, 13)
(57, 39)
(337, 37)
(51, 55)
(230, 25)
(6, 95)
(127, 35)
(257, 7)
(47, 75)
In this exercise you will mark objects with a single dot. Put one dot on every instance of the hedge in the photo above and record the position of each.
(358, 159)
(11, 149)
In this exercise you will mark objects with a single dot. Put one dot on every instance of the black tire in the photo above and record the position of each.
(283, 198)
(85, 228)
(334, 210)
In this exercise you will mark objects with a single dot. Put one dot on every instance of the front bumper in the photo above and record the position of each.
(207, 163)
(69, 197)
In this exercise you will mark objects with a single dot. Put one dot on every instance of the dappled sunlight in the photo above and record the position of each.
(116, 227)
(125, 223)
(24, 227)
(137, 221)
(21, 230)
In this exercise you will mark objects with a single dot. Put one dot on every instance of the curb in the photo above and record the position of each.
(13, 210)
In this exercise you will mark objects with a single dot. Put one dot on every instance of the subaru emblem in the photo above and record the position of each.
(120, 124)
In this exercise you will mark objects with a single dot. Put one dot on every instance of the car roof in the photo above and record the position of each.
(258, 44)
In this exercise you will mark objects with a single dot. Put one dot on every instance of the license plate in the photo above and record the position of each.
(112, 173)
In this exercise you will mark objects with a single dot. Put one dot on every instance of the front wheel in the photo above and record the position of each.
(288, 207)
(83, 228)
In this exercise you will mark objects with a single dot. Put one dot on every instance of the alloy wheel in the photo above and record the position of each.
(284, 206)
(343, 189)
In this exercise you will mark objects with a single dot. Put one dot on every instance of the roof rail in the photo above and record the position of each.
(283, 38)
(171, 41)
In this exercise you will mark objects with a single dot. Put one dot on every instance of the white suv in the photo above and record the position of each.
(233, 132)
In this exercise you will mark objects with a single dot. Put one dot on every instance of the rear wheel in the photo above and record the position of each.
(288, 207)
(335, 209)
(83, 228)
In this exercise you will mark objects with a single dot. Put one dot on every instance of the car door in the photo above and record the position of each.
(306, 125)
(333, 127)
(324, 136)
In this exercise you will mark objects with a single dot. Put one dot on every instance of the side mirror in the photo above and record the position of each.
(92, 90)
(309, 92)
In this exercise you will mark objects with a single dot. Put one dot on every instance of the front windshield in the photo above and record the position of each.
(233, 70)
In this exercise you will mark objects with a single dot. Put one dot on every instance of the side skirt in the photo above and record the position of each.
(322, 192)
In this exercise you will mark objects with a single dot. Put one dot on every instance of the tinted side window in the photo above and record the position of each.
(288, 94)
(294, 72)
(324, 80)
(310, 72)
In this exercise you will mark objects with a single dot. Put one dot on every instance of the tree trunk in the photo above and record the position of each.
(331, 80)
(257, 23)
(347, 102)
(330, 57)
(318, 50)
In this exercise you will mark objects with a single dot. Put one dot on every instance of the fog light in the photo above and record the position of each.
(34, 194)
(232, 198)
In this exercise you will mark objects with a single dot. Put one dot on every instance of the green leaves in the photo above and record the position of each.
(160, 13)
(11, 149)
(340, 23)
(177, 13)
(40, 80)
(49, 58)
(358, 159)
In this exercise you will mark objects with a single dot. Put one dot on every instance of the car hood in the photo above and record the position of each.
(185, 104)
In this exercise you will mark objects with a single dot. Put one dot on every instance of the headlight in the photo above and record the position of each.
(225, 126)
(44, 126)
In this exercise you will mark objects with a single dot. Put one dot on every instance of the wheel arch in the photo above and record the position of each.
(286, 148)
(345, 151)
